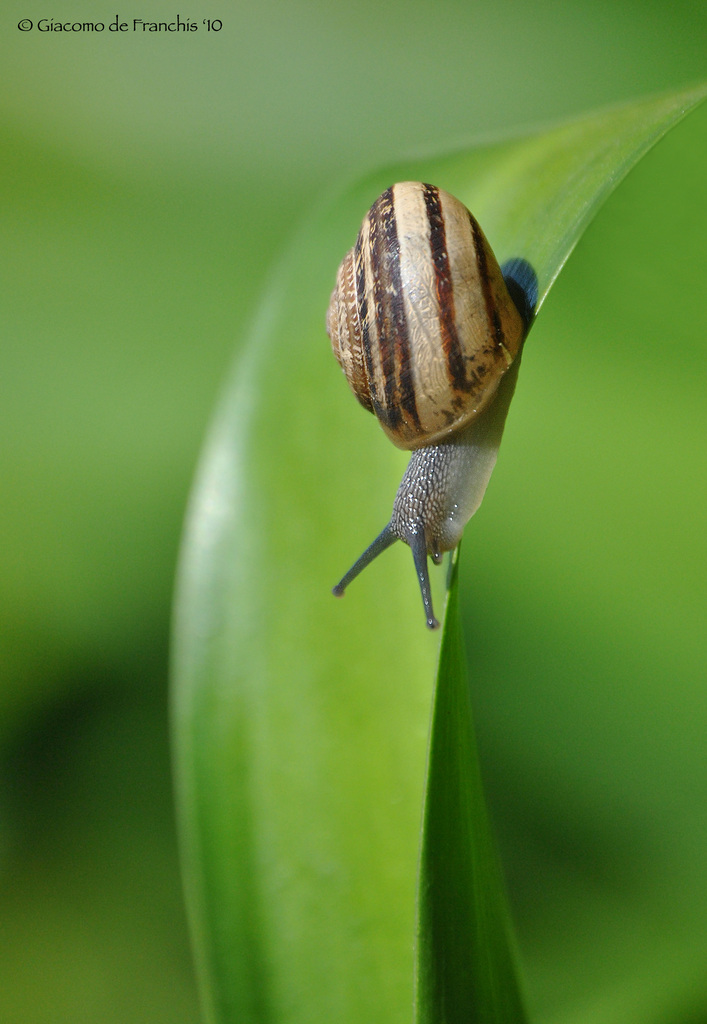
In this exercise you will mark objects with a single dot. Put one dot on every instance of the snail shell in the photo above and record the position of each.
(420, 320)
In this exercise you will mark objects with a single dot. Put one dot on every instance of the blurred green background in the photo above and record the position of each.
(148, 183)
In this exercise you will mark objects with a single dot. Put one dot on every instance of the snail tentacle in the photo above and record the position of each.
(384, 539)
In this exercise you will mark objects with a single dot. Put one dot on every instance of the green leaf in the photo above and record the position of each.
(300, 722)
(465, 967)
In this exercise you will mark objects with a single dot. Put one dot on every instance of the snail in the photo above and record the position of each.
(425, 330)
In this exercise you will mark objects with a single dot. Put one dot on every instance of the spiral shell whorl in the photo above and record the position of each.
(420, 320)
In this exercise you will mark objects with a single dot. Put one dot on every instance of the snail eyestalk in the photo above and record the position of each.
(418, 544)
(416, 539)
(382, 541)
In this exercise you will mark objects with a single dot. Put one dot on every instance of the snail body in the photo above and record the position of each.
(425, 330)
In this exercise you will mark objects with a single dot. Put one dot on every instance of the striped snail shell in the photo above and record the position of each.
(422, 324)
(421, 321)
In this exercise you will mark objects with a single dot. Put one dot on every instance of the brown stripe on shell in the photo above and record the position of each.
(445, 291)
(381, 265)
(405, 384)
(359, 274)
(384, 253)
(494, 320)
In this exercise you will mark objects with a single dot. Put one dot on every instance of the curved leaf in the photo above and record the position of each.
(300, 722)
